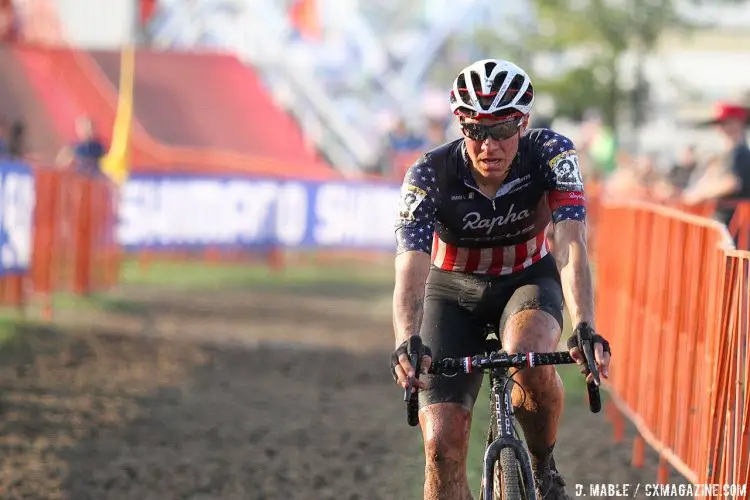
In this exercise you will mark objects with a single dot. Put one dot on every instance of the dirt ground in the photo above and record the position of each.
(241, 395)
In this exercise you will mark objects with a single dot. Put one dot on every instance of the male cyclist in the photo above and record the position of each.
(472, 250)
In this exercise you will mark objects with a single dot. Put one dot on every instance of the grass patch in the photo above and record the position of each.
(200, 275)
(14, 330)
(345, 278)
(94, 302)
(10, 322)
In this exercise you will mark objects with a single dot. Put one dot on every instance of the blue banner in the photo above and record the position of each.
(166, 212)
(17, 200)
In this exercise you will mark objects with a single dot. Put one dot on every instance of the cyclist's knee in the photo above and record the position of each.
(531, 330)
(446, 433)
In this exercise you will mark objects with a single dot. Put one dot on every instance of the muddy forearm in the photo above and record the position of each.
(575, 273)
(408, 295)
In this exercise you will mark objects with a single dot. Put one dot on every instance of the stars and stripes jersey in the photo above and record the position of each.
(442, 211)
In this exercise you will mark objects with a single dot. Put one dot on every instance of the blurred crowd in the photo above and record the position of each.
(689, 178)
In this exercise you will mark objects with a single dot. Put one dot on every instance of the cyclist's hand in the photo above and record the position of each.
(575, 353)
(602, 354)
(402, 369)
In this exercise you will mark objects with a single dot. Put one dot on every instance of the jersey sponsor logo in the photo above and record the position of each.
(459, 197)
(499, 238)
(514, 185)
(574, 195)
(411, 197)
(566, 169)
(473, 220)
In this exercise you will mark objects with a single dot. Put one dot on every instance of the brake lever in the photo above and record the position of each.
(413, 348)
(585, 342)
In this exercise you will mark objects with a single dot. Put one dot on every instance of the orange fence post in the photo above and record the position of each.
(83, 230)
(44, 242)
(74, 247)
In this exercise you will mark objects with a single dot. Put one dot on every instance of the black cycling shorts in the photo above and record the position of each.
(457, 309)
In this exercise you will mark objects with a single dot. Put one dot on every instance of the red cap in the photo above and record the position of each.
(724, 111)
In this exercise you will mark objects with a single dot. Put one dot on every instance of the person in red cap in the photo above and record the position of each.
(731, 184)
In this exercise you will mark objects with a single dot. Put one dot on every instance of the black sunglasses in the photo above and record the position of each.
(499, 131)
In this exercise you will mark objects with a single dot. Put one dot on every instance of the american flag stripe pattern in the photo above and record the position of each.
(495, 261)
(567, 205)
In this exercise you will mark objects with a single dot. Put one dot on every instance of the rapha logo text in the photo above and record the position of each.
(473, 220)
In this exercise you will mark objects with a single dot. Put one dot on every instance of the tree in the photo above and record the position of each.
(599, 32)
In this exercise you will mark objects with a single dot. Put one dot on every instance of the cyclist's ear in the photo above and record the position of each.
(524, 124)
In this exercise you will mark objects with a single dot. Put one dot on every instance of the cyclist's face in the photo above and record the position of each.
(492, 145)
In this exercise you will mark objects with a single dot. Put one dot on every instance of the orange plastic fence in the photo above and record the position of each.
(74, 246)
(739, 226)
(672, 295)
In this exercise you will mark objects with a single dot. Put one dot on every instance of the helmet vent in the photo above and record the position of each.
(489, 67)
(527, 96)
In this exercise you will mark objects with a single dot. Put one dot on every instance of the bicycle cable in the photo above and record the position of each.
(523, 399)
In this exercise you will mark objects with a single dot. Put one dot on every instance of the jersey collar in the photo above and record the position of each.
(469, 180)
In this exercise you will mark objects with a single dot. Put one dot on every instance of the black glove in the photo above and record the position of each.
(423, 351)
(584, 330)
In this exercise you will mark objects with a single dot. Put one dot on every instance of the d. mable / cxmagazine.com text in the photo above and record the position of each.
(659, 490)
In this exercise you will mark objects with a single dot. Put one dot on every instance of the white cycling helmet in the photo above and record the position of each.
(492, 88)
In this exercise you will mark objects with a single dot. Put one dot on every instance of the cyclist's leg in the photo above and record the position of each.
(532, 321)
(451, 330)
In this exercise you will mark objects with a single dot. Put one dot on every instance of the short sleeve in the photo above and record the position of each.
(415, 222)
(562, 173)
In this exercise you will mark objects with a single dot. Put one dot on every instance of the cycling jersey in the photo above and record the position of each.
(443, 213)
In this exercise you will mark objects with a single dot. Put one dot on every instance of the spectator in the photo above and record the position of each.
(623, 183)
(401, 139)
(435, 133)
(632, 180)
(684, 169)
(4, 139)
(730, 183)
(680, 175)
(86, 154)
(402, 149)
(17, 140)
(599, 146)
(8, 22)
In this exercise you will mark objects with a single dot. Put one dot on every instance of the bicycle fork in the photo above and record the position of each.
(503, 413)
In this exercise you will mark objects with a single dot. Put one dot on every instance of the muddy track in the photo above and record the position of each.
(230, 396)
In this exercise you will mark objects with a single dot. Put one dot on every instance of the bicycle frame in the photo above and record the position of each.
(501, 392)
(503, 414)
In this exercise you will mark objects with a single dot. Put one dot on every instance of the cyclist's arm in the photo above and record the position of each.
(414, 228)
(572, 260)
(412, 268)
(567, 202)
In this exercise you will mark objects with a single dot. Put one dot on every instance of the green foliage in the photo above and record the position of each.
(601, 31)
(581, 88)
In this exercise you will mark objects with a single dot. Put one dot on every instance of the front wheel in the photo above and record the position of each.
(508, 484)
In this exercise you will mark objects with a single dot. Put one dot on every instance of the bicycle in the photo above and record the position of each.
(507, 471)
